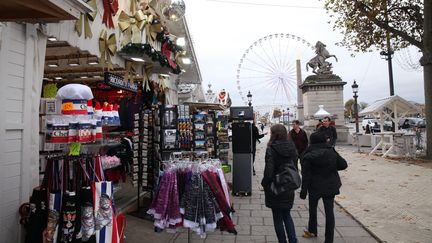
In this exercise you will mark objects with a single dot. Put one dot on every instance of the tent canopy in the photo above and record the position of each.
(388, 106)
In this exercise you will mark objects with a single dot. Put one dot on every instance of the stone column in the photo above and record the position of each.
(300, 111)
(327, 90)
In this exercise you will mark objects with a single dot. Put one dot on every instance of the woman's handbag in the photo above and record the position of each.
(341, 163)
(287, 180)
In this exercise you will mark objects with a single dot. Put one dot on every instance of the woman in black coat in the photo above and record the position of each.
(279, 151)
(320, 178)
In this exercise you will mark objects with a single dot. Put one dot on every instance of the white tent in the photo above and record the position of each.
(393, 108)
(386, 107)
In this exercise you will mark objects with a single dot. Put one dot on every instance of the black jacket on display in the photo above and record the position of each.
(320, 167)
(278, 154)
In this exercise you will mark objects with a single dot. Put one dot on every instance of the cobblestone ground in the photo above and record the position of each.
(254, 221)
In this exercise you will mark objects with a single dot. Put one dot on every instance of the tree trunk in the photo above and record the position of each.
(426, 61)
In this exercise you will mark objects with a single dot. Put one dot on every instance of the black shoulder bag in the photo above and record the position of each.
(288, 179)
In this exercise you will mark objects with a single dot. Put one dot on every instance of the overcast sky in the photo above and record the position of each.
(222, 30)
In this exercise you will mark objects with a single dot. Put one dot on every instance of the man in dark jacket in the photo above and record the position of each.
(299, 137)
(329, 130)
(320, 179)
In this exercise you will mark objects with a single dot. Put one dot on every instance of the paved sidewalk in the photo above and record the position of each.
(392, 198)
(254, 221)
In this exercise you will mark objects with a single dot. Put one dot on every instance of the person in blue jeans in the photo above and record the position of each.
(279, 151)
(320, 179)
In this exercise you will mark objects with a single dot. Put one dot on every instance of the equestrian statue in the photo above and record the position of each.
(318, 63)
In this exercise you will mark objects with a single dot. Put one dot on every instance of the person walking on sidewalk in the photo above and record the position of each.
(280, 150)
(255, 137)
(320, 179)
(300, 139)
(329, 130)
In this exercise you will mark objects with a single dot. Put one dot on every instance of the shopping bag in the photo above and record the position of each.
(54, 207)
(105, 220)
(54, 202)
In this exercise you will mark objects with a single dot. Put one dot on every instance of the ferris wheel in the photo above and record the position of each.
(268, 69)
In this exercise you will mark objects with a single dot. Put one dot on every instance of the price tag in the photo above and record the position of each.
(75, 149)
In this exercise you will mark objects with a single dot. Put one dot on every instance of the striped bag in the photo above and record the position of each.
(106, 224)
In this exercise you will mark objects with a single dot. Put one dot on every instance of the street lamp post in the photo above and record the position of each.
(355, 91)
(249, 97)
(354, 87)
(283, 117)
(288, 115)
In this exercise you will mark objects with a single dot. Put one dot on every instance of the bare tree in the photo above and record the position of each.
(366, 24)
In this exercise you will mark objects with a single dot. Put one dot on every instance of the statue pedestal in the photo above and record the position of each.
(327, 90)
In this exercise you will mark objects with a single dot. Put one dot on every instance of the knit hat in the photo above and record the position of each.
(318, 137)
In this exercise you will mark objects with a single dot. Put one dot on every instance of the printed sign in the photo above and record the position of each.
(118, 82)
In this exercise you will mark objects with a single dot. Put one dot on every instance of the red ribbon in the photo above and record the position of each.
(166, 51)
(110, 9)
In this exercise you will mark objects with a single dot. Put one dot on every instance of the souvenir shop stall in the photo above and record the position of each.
(84, 161)
(107, 116)
(97, 151)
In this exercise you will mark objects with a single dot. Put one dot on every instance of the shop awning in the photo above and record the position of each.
(41, 10)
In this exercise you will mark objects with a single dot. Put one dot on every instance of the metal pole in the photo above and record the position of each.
(389, 60)
(356, 113)
(357, 122)
(389, 53)
(288, 117)
(283, 117)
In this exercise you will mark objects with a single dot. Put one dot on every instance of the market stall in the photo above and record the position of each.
(391, 108)
(109, 141)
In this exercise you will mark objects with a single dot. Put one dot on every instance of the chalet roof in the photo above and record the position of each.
(390, 103)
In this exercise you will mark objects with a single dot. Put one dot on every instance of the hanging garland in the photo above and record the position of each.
(142, 50)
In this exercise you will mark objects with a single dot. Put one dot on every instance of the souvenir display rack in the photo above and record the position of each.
(185, 128)
(222, 139)
(136, 145)
(210, 134)
(199, 137)
(168, 130)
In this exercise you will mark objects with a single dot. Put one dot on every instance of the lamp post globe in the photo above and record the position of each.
(249, 97)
